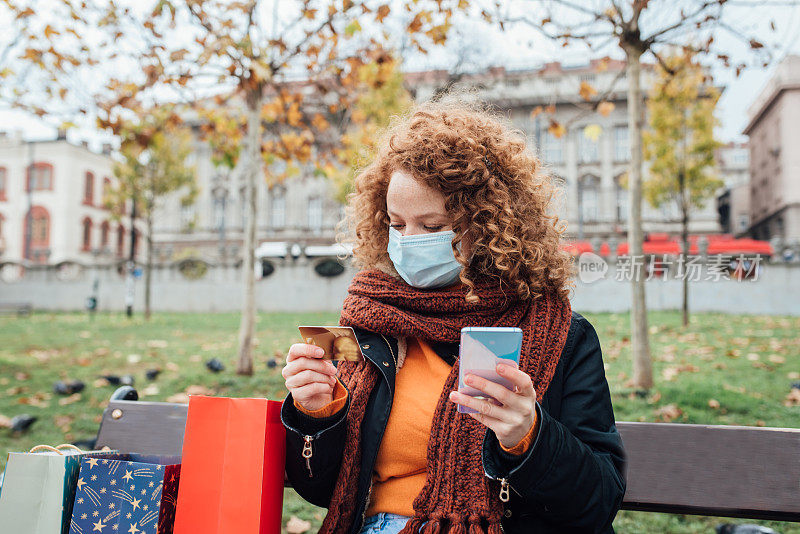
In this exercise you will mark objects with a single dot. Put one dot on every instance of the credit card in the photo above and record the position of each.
(339, 342)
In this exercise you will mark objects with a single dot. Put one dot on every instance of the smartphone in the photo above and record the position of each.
(481, 349)
(339, 342)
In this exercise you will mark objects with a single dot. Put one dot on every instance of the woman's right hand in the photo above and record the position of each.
(309, 378)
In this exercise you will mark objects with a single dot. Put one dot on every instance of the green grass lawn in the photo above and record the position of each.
(722, 369)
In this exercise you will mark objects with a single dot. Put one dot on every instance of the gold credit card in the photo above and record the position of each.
(339, 342)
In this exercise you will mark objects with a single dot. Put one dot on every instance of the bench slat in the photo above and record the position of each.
(729, 471)
(733, 471)
(143, 427)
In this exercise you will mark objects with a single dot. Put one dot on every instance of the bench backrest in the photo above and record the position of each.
(675, 468)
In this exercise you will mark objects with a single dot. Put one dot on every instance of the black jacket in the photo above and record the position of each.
(571, 479)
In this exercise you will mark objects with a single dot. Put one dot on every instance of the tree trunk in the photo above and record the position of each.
(148, 269)
(684, 242)
(640, 347)
(251, 170)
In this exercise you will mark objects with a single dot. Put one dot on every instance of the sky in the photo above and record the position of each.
(522, 47)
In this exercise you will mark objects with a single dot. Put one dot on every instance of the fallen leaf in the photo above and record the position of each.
(157, 344)
(5, 422)
(152, 389)
(75, 397)
(794, 375)
(134, 358)
(668, 413)
(793, 398)
(295, 525)
(753, 357)
(774, 358)
(713, 404)
(179, 398)
(22, 376)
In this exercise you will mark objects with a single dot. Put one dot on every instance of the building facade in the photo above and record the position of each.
(733, 205)
(589, 164)
(774, 131)
(51, 203)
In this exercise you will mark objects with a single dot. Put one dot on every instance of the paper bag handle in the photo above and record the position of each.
(56, 448)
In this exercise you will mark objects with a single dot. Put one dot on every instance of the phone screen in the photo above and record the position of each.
(481, 349)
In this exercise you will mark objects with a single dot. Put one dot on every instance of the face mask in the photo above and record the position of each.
(424, 260)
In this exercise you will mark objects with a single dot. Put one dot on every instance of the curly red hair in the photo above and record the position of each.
(494, 188)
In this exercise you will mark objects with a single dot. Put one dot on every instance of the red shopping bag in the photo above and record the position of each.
(234, 454)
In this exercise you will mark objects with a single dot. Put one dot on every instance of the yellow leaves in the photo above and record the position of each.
(535, 112)
(319, 122)
(358, 116)
(587, 91)
(49, 32)
(352, 28)
(592, 132)
(382, 12)
(793, 398)
(605, 108)
(310, 14)
(294, 116)
(556, 129)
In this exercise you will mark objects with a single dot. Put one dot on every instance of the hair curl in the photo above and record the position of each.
(494, 188)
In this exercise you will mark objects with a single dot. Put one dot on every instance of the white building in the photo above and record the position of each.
(63, 194)
(303, 211)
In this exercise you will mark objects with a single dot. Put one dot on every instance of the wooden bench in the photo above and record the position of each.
(18, 308)
(730, 471)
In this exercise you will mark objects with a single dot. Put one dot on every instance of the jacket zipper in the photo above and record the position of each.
(307, 453)
(369, 490)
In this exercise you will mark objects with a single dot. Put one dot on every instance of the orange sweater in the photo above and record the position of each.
(400, 467)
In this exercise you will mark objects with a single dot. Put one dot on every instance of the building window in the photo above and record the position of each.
(40, 177)
(621, 197)
(3, 182)
(87, 234)
(106, 192)
(315, 213)
(104, 234)
(553, 149)
(744, 222)
(278, 208)
(188, 217)
(88, 189)
(622, 148)
(120, 241)
(589, 197)
(587, 149)
(39, 238)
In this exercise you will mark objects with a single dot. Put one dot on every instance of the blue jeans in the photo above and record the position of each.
(385, 523)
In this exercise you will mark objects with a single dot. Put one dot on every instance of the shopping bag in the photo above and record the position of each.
(38, 489)
(233, 463)
(128, 492)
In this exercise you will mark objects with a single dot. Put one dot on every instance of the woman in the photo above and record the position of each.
(453, 228)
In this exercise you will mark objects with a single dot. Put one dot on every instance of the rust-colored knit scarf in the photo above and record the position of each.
(457, 497)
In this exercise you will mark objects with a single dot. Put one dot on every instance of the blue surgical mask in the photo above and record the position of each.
(424, 260)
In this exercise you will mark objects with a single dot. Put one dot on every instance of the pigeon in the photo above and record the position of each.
(729, 528)
(22, 422)
(152, 374)
(272, 364)
(114, 380)
(214, 365)
(68, 388)
(795, 385)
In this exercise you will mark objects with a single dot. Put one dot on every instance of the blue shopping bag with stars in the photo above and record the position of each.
(126, 493)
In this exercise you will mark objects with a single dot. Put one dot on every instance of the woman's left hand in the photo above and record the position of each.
(513, 419)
